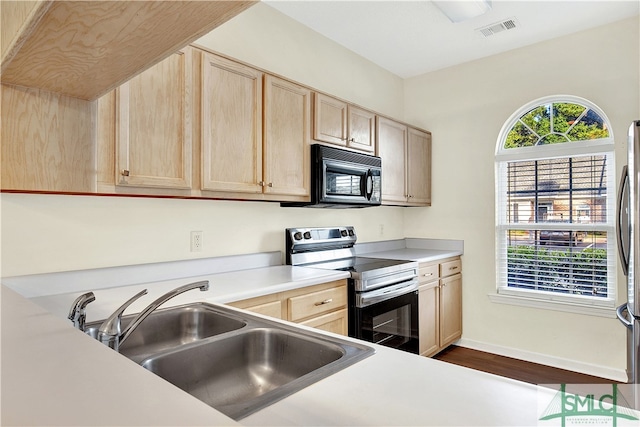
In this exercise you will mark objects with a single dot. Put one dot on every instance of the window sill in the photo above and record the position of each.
(608, 311)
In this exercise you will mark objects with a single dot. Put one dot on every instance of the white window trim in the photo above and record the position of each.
(602, 307)
(568, 307)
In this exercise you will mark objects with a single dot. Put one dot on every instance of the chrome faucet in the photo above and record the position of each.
(78, 312)
(111, 333)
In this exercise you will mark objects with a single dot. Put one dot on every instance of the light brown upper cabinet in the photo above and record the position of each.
(392, 142)
(406, 163)
(287, 134)
(418, 167)
(84, 49)
(244, 156)
(153, 126)
(231, 128)
(337, 122)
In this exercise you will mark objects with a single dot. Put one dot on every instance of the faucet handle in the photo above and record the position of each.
(77, 312)
(111, 327)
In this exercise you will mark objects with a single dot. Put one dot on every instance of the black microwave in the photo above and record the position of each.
(343, 179)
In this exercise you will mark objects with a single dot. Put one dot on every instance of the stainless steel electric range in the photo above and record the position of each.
(383, 293)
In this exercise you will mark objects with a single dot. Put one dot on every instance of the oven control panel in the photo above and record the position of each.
(318, 239)
(323, 234)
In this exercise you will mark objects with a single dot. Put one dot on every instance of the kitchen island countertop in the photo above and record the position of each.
(53, 374)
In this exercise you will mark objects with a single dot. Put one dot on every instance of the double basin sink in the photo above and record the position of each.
(233, 361)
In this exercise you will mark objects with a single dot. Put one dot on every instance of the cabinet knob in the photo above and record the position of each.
(124, 172)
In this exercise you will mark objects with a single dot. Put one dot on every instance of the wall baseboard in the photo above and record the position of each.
(618, 375)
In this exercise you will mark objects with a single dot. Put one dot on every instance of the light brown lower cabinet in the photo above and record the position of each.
(321, 306)
(439, 305)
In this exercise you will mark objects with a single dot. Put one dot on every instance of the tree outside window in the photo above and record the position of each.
(555, 202)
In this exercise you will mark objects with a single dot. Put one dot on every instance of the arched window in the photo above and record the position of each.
(555, 204)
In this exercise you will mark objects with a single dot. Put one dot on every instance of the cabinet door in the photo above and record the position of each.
(329, 120)
(419, 167)
(450, 309)
(428, 314)
(231, 126)
(153, 126)
(361, 130)
(392, 140)
(287, 133)
(335, 322)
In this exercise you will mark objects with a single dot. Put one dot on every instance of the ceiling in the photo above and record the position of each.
(409, 38)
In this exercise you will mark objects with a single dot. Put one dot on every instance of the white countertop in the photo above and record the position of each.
(53, 374)
(223, 288)
(414, 254)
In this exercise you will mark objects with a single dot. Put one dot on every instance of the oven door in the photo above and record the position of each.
(392, 322)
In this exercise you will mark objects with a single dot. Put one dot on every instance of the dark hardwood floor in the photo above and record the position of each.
(513, 368)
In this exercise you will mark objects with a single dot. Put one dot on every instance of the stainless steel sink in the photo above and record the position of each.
(233, 361)
(168, 328)
(247, 371)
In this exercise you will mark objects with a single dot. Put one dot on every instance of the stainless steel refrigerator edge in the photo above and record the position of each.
(628, 246)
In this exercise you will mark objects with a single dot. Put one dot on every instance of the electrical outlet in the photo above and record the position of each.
(196, 241)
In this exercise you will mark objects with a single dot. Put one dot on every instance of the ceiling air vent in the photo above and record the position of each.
(498, 27)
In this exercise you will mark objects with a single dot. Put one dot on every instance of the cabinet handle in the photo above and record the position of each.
(428, 274)
(453, 268)
(264, 184)
(270, 184)
(124, 172)
(327, 301)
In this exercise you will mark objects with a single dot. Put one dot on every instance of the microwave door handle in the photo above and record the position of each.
(622, 250)
(368, 185)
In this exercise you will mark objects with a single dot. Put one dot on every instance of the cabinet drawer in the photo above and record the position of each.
(272, 309)
(316, 303)
(450, 267)
(428, 273)
(268, 305)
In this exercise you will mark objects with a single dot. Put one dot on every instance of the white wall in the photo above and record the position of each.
(49, 233)
(465, 108)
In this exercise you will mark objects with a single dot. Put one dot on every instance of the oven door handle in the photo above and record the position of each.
(366, 299)
(370, 285)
